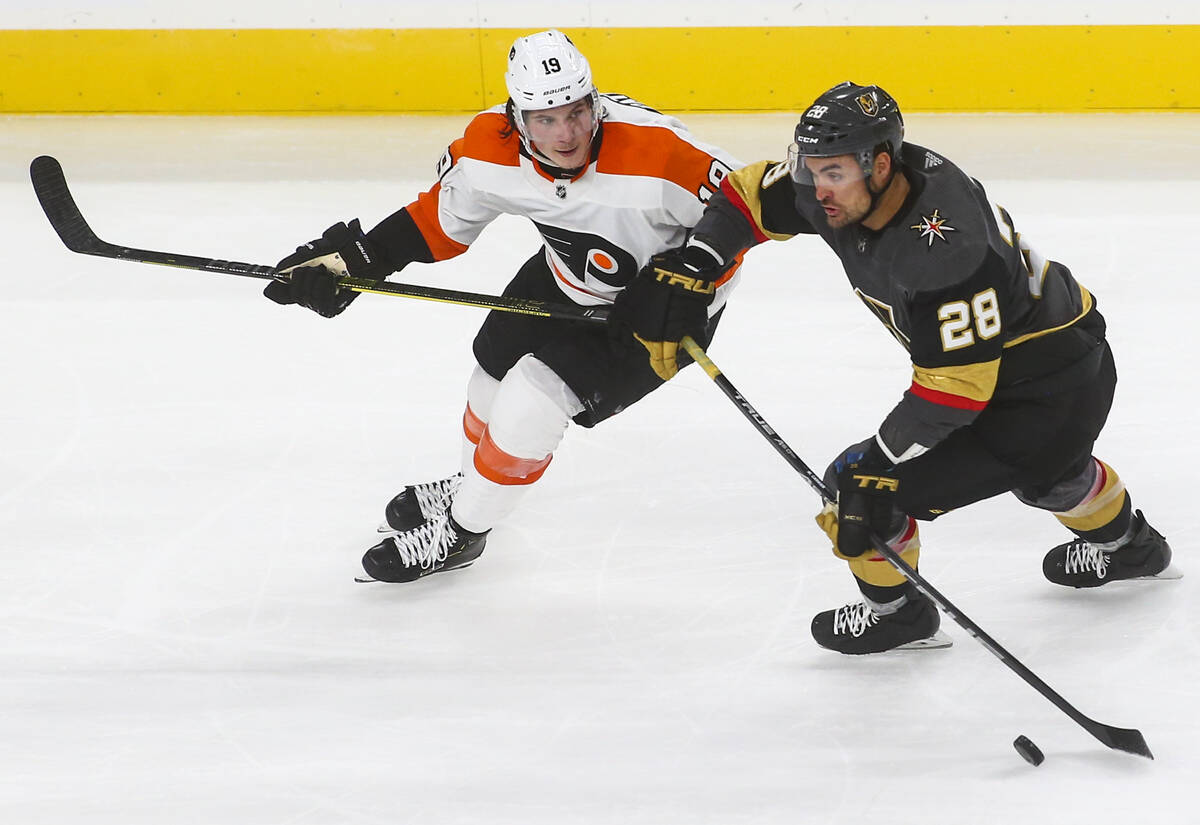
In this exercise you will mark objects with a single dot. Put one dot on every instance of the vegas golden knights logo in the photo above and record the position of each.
(868, 104)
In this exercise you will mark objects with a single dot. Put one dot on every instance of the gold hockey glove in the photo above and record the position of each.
(667, 300)
(866, 487)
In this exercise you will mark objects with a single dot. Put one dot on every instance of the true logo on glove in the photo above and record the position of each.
(878, 482)
(688, 283)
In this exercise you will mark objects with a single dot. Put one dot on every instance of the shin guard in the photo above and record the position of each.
(1104, 514)
(875, 570)
(528, 416)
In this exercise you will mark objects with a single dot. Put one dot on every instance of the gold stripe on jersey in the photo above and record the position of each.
(974, 382)
(1085, 298)
(1100, 507)
(749, 182)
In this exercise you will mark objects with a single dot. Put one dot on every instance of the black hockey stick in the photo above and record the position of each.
(1122, 739)
(51, 187)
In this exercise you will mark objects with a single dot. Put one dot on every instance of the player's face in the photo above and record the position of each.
(563, 134)
(841, 189)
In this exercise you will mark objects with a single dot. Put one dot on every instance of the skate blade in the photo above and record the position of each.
(936, 641)
(363, 578)
(1172, 571)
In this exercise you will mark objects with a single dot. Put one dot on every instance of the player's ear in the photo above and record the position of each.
(882, 166)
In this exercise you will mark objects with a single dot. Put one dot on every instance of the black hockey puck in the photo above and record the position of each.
(1029, 751)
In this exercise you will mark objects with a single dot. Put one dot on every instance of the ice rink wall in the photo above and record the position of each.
(225, 56)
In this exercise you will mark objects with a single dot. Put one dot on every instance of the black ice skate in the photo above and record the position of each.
(434, 546)
(1080, 564)
(857, 629)
(417, 503)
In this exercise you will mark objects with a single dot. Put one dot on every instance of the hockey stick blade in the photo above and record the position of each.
(1122, 739)
(50, 185)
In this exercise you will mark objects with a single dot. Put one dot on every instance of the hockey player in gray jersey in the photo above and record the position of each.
(1012, 378)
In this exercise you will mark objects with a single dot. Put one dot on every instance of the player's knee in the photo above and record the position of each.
(481, 391)
(1084, 502)
(531, 409)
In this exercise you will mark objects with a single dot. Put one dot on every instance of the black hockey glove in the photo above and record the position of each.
(309, 275)
(866, 486)
(667, 300)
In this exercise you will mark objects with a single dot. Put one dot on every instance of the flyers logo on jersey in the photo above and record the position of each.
(868, 103)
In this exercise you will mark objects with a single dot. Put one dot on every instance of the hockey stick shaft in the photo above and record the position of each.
(50, 185)
(1124, 739)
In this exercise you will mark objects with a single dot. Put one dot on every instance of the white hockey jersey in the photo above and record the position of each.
(644, 188)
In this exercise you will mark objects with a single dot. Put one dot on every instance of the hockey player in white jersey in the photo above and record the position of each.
(608, 183)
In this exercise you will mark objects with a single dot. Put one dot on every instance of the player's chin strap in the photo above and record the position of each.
(877, 196)
(1123, 739)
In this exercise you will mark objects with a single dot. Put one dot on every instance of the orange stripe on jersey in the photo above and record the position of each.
(498, 466)
(655, 152)
(737, 263)
(472, 425)
(565, 281)
(544, 175)
(484, 140)
(424, 212)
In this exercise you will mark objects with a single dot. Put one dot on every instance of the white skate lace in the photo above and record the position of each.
(1083, 557)
(853, 619)
(426, 545)
(434, 497)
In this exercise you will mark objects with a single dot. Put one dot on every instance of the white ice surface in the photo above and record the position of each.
(189, 475)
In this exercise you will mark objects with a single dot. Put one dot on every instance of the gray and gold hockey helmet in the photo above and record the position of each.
(848, 119)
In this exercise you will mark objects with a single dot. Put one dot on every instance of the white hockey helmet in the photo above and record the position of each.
(545, 70)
